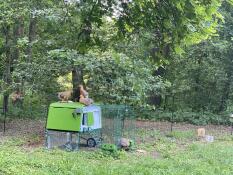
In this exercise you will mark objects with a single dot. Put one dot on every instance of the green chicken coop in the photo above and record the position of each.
(67, 123)
(70, 125)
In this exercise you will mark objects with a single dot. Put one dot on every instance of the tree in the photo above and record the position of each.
(203, 79)
(171, 24)
(50, 37)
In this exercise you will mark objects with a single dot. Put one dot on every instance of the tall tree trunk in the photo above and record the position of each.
(31, 36)
(197, 89)
(225, 94)
(196, 106)
(77, 79)
(7, 75)
(18, 33)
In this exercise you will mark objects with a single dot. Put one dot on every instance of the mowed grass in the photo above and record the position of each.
(177, 156)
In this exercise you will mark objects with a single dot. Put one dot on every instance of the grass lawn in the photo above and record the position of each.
(180, 153)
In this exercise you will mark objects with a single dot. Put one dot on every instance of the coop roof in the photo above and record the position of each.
(72, 105)
(91, 108)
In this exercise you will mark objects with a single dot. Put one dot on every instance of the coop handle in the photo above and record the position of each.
(74, 114)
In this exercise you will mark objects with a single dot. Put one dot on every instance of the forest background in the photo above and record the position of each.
(170, 60)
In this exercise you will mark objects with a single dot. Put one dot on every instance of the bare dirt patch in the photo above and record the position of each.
(23, 127)
(33, 130)
(165, 127)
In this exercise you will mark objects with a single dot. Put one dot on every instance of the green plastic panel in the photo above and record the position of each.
(67, 105)
(90, 119)
(61, 117)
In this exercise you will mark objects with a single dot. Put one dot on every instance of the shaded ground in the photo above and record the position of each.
(23, 127)
(31, 130)
(165, 127)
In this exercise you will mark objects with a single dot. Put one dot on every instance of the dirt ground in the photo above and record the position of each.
(165, 127)
(33, 130)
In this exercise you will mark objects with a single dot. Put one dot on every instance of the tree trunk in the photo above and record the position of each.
(225, 95)
(5, 103)
(77, 79)
(18, 33)
(7, 76)
(197, 88)
(31, 37)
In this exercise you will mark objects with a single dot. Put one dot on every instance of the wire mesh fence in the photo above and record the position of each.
(119, 121)
(28, 108)
(150, 130)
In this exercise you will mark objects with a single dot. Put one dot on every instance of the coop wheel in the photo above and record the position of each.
(91, 142)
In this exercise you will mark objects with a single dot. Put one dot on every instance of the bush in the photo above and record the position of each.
(196, 118)
(32, 107)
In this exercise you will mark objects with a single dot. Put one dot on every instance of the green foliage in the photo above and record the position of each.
(33, 106)
(109, 147)
(196, 118)
(118, 46)
(110, 150)
(202, 81)
(129, 80)
(173, 23)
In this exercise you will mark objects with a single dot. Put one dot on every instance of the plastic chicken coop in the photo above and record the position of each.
(71, 125)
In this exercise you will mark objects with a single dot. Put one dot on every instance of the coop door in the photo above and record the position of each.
(88, 119)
